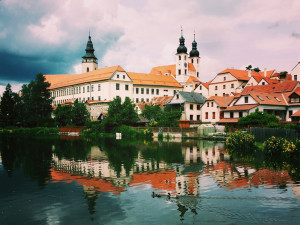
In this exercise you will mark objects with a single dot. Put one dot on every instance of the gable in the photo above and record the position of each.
(120, 76)
(224, 77)
(243, 100)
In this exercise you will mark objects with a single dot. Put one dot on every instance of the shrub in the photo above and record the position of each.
(148, 133)
(240, 142)
(275, 147)
(160, 136)
(128, 132)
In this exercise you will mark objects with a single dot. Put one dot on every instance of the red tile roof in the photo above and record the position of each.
(192, 79)
(229, 120)
(191, 67)
(296, 114)
(280, 87)
(221, 100)
(58, 81)
(161, 70)
(238, 74)
(154, 80)
(268, 98)
(240, 107)
(161, 100)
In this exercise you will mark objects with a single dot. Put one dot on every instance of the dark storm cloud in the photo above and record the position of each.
(295, 35)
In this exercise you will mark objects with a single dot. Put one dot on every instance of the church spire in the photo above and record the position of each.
(181, 48)
(89, 60)
(194, 52)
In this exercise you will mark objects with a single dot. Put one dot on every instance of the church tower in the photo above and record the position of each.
(181, 61)
(194, 57)
(89, 60)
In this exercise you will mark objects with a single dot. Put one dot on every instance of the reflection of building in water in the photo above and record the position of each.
(182, 179)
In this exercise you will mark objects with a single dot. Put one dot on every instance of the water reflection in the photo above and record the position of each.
(184, 174)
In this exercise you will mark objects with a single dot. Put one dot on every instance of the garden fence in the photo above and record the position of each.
(263, 133)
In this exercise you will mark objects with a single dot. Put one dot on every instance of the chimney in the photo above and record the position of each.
(249, 73)
(265, 72)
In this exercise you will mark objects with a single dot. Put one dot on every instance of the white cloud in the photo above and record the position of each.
(15, 87)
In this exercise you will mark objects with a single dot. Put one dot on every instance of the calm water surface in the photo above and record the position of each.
(110, 182)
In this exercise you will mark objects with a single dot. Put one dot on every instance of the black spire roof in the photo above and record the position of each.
(89, 50)
(194, 52)
(181, 48)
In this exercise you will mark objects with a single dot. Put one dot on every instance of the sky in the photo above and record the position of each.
(49, 37)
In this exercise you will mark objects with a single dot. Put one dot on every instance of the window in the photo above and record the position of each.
(224, 86)
(117, 86)
(290, 113)
(198, 107)
(177, 96)
(83, 89)
(179, 72)
(147, 91)
(87, 89)
(232, 85)
(206, 115)
(136, 90)
(200, 87)
(152, 91)
(165, 90)
(92, 87)
(157, 91)
(216, 87)
(197, 60)
(246, 99)
(214, 115)
(240, 114)
(179, 57)
(277, 99)
(197, 74)
(185, 71)
(83, 99)
(92, 98)
(295, 77)
(192, 60)
(198, 117)
(137, 100)
(224, 78)
(142, 90)
(191, 106)
(123, 77)
(185, 57)
(99, 98)
(191, 117)
(260, 98)
(142, 99)
(174, 92)
(208, 104)
(212, 104)
(87, 69)
(147, 100)
(263, 83)
(231, 114)
(126, 87)
(118, 76)
(224, 94)
(79, 89)
(99, 87)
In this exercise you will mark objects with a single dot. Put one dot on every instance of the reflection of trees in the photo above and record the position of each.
(72, 149)
(167, 151)
(33, 157)
(120, 153)
(91, 196)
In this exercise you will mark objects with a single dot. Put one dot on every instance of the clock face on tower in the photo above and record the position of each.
(185, 64)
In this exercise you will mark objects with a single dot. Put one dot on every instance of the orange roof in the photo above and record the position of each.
(191, 67)
(165, 180)
(238, 74)
(161, 100)
(58, 81)
(222, 101)
(96, 183)
(192, 79)
(161, 70)
(206, 85)
(296, 114)
(288, 76)
(268, 98)
(240, 107)
(280, 87)
(95, 101)
(152, 79)
(228, 120)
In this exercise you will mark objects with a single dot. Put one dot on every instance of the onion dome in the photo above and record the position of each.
(89, 50)
(194, 52)
(181, 48)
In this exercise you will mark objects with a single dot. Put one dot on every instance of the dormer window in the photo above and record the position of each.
(177, 96)
(246, 99)
(263, 83)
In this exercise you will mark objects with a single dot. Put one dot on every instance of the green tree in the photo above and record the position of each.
(63, 115)
(79, 113)
(120, 114)
(151, 112)
(8, 107)
(258, 117)
(249, 67)
(256, 69)
(36, 102)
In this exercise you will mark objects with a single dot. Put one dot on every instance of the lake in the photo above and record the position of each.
(69, 181)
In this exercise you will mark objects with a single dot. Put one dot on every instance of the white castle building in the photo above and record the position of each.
(105, 84)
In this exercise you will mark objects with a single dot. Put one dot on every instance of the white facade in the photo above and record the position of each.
(210, 112)
(224, 84)
(89, 65)
(296, 72)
